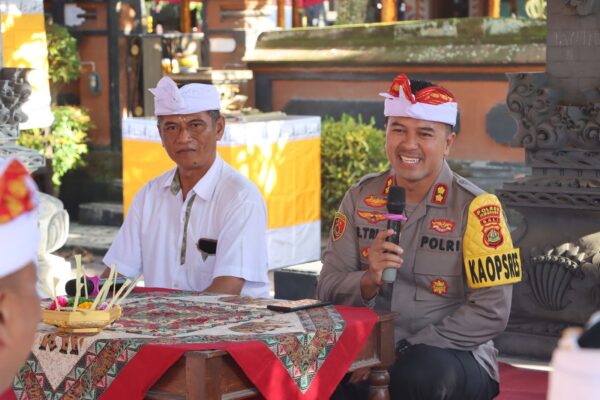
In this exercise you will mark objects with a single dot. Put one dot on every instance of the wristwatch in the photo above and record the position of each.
(402, 346)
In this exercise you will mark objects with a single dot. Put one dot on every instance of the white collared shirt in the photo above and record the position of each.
(223, 205)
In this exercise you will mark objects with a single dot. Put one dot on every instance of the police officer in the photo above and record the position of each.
(455, 262)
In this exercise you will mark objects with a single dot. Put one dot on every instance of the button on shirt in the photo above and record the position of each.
(160, 234)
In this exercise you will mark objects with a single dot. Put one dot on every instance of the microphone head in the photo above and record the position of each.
(396, 200)
(93, 284)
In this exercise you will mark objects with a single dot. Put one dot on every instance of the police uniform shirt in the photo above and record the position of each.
(430, 294)
(160, 235)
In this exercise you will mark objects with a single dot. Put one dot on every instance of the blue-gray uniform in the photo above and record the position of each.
(436, 307)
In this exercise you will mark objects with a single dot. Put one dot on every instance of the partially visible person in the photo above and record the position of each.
(202, 225)
(315, 12)
(19, 239)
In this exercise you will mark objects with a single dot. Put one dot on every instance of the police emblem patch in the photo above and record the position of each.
(339, 226)
(442, 225)
(489, 218)
(439, 287)
(440, 192)
(375, 201)
(372, 217)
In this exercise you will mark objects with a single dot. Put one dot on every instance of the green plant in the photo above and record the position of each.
(65, 144)
(63, 57)
(350, 149)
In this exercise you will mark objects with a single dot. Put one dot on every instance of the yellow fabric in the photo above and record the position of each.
(24, 42)
(286, 173)
(489, 256)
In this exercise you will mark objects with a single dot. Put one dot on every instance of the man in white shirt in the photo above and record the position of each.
(202, 225)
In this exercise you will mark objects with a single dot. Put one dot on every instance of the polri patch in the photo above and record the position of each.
(339, 226)
(440, 192)
(489, 256)
(375, 201)
(442, 225)
(439, 287)
(489, 218)
(372, 217)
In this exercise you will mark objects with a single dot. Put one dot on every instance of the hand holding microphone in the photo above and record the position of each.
(396, 202)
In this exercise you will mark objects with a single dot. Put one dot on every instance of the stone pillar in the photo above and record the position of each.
(556, 210)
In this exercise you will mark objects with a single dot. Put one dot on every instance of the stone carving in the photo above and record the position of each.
(563, 282)
(532, 103)
(14, 91)
(581, 7)
(563, 159)
(549, 277)
(530, 198)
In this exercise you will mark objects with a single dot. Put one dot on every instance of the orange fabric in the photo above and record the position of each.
(433, 95)
(402, 82)
(15, 196)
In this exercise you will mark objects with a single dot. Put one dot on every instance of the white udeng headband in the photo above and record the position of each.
(402, 107)
(190, 99)
(19, 241)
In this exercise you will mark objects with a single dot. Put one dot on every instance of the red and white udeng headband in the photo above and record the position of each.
(402, 107)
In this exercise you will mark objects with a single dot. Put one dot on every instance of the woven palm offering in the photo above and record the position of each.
(87, 313)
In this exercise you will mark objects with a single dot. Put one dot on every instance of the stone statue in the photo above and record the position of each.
(558, 205)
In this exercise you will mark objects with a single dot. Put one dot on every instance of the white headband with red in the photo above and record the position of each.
(433, 103)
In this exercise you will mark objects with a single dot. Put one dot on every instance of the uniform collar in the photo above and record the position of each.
(205, 187)
(440, 190)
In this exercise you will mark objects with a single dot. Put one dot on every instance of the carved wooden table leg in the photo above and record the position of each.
(379, 380)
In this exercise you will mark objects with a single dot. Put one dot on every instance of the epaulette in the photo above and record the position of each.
(468, 186)
(372, 176)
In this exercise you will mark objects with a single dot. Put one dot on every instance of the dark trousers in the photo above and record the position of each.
(429, 373)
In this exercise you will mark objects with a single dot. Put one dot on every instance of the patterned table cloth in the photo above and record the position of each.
(301, 355)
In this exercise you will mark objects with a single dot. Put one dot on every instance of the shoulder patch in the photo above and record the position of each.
(489, 256)
(339, 226)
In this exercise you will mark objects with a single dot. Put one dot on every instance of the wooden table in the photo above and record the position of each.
(213, 374)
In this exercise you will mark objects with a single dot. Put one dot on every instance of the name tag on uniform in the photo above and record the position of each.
(489, 256)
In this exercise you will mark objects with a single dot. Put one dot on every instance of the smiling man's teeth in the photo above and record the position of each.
(409, 160)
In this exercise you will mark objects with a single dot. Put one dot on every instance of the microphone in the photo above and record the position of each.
(94, 285)
(396, 200)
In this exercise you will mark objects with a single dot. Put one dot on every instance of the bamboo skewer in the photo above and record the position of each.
(80, 265)
(77, 285)
(131, 287)
(54, 296)
(112, 301)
